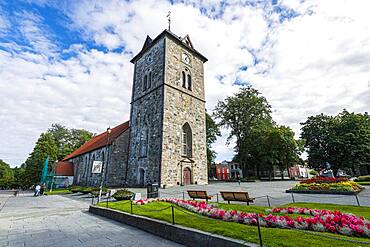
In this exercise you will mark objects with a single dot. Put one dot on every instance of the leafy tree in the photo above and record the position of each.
(56, 144)
(6, 175)
(351, 146)
(68, 140)
(19, 177)
(45, 147)
(212, 132)
(241, 113)
(273, 146)
(343, 141)
(319, 136)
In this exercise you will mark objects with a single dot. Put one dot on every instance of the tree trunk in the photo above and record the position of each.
(270, 172)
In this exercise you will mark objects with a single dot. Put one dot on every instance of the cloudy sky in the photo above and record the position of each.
(68, 61)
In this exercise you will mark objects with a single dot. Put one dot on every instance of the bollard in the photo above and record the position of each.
(259, 230)
(131, 206)
(217, 197)
(183, 195)
(268, 200)
(293, 198)
(92, 200)
(358, 202)
(173, 215)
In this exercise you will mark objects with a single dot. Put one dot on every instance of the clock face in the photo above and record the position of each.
(185, 58)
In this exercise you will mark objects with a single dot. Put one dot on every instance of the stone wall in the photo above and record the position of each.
(116, 171)
(183, 106)
(83, 166)
(117, 163)
(146, 114)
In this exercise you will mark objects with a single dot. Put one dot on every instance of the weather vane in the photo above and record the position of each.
(169, 20)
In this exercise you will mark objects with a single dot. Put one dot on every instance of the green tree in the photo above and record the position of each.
(318, 132)
(242, 113)
(68, 140)
(45, 147)
(351, 146)
(19, 177)
(6, 175)
(273, 146)
(212, 132)
(343, 141)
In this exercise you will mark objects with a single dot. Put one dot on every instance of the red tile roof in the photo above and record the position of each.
(99, 141)
(64, 168)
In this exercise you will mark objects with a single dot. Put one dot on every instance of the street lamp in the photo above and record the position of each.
(105, 164)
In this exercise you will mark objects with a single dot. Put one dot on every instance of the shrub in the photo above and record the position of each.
(95, 191)
(75, 189)
(123, 195)
(340, 186)
(313, 173)
(363, 178)
(86, 190)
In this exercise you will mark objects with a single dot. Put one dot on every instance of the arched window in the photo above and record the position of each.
(186, 141)
(150, 80)
(145, 82)
(144, 141)
(183, 79)
(189, 81)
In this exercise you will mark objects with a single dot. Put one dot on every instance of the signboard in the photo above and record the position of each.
(137, 196)
(112, 192)
(97, 166)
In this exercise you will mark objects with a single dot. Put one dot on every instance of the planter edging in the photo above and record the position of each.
(177, 233)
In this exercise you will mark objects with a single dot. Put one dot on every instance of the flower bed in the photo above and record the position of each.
(320, 220)
(327, 185)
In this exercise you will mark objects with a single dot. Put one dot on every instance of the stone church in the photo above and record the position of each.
(165, 139)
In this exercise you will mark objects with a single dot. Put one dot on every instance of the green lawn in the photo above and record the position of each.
(364, 183)
(271, 236)
(58, 192)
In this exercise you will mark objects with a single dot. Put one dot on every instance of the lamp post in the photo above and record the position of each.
(105, 164)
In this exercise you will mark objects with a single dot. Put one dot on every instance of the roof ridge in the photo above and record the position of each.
(99, 141)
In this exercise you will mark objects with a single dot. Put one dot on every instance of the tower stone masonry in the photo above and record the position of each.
(167, 123)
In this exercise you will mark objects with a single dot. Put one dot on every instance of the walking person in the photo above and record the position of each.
(238, 176)
(37, 190)
(42, 189)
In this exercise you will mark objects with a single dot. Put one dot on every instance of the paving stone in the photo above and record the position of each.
(64, 221)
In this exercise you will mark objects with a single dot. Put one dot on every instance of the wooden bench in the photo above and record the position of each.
(236, 196)
(199, 194)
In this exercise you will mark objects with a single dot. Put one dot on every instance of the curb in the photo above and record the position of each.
(177, 233)
(323, 192)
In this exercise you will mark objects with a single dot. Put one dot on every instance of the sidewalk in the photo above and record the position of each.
(62, 221)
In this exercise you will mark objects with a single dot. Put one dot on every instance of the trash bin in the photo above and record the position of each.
(152, 191)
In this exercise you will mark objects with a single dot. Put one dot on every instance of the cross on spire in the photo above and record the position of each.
(169, 20)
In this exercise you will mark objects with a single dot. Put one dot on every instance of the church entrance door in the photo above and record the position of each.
(187, 176)
(141, 177)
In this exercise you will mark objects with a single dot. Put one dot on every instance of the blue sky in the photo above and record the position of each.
(68, 61)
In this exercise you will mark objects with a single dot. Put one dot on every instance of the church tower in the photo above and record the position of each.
(167, 123)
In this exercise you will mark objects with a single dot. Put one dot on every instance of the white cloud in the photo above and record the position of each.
(316, 62)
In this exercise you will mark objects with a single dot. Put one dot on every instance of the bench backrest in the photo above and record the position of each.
(197, 193)
(237, 196)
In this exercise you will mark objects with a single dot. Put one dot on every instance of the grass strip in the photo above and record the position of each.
(58, 192)
(271, 236)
